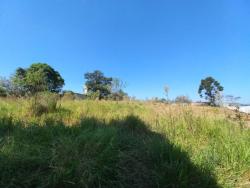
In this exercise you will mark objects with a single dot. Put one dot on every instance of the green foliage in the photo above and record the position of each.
(43, 102)
(123, 153)
(210, 89)
(18, 81)
(3, 92)
(121, 144)
(94, 95)
(118, 96)
(37, 78)
(6, 87)
(97, 83)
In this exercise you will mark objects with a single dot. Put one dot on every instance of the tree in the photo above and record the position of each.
(117, 85)
(166, 90)
(117, 92)
(3, 92)
(37, 78)
(7, 87)
(210, 89)
(118, 96)
(3, 87)
(97, 83)
(18, 82)
(232, 100)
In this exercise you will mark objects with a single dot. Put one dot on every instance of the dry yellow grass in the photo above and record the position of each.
(177, 110)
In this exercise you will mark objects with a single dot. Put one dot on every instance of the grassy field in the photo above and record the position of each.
(122, 144)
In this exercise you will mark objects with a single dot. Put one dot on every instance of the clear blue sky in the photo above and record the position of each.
(147, 43)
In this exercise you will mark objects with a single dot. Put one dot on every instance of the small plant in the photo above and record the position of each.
(43, 102)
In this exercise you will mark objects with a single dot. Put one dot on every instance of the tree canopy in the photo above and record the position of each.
(98, 84)
(210, 89)
(38, 77)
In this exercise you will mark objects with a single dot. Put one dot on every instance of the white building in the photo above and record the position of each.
(85, 89)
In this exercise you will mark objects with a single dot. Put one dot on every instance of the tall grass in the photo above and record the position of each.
(121, 144)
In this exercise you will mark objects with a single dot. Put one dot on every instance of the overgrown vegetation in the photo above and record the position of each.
(39, 77)
(50, 138)
(43, 102)
(121, 144)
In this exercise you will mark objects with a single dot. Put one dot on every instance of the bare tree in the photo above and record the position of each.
(118, 85)
(166, 90)
(232, 100)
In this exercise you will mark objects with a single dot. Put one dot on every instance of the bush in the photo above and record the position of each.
(183, 99)
(3, 92)
(159, 100)
(118, 96)
(44, 102)
(68, 95)
(94, 95)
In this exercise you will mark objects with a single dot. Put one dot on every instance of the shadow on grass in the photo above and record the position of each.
(122, 153)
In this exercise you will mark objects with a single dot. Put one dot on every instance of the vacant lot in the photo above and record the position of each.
(122, 144)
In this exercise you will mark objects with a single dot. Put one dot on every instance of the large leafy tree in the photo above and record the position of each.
(210, 89)
(38, 77)
(98, 84)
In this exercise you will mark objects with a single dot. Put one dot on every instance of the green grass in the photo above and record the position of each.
(126, 144)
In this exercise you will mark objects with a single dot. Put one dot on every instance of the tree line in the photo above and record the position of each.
(40, 77)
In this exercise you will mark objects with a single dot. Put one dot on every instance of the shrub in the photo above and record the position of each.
(43, 102)
(93, 95)
(2, 92)
(118, 96)
(68, 95)
(159, 100)
(183, 99)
